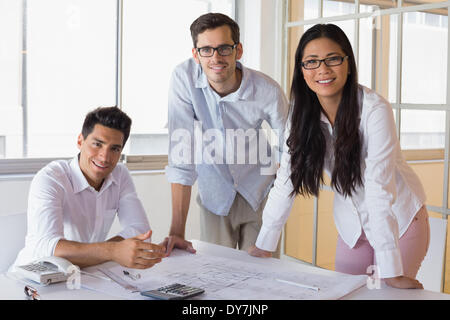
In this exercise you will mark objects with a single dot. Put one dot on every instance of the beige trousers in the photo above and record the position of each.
(239, 229)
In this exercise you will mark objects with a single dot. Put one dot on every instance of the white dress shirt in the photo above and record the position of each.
(62, 205)
(383, 207)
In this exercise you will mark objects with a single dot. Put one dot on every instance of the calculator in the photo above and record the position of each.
(175, 291)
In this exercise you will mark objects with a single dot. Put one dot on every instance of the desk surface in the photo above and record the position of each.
(12, 289)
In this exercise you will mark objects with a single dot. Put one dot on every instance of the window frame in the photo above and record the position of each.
(25, 166)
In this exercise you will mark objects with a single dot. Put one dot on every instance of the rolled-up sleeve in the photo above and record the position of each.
(380, 189)
(278, 205)
(131, 213)
(181, 123)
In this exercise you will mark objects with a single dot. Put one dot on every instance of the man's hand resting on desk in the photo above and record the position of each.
(257, 252)
(173, 241)
(137, 254)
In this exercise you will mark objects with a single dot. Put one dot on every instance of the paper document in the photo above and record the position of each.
(224, 278)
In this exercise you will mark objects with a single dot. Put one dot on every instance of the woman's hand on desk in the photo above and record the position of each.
(175, 241)
(403, 282)
(257, 252)
(137, 254)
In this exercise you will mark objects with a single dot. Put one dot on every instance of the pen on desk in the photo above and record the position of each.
(298, 284)
(132, 276)
(31, 293)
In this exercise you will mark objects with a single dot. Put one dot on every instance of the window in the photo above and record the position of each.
(419, 62)
(64, 66)
(422, 129)
(63, 58)
(153, 44)
(423, 76)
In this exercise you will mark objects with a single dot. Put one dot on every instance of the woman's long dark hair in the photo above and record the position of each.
(306, 142)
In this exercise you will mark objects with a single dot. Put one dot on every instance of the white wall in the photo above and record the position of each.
(152, 188)
(13, 195)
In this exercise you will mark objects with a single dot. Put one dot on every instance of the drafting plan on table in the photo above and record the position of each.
(230, 279)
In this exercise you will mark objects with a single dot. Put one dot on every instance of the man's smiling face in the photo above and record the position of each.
(220, 70)
(99, 153)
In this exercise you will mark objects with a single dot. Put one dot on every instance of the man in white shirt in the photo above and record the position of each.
(72, 203)
(214, 90)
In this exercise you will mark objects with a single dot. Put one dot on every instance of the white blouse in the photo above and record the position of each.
(383, 206)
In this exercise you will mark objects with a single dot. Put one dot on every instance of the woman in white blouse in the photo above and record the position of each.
(348, 131)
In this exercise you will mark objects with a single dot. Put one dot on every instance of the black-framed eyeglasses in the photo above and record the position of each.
(329, 62)
(223, 50)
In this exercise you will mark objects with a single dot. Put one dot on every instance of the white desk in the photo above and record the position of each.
(11, 289)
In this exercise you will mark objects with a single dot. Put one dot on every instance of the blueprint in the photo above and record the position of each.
(225, 278)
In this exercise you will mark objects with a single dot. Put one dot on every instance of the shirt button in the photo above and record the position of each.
(235, 185)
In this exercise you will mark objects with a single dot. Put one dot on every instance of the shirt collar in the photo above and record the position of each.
(80, 182)
(245, 91)
(324, 118)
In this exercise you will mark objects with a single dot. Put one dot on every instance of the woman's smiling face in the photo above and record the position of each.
(327, 82)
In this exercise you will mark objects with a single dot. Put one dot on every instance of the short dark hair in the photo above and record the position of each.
(212, 21)
(111, 117)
